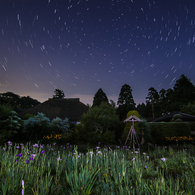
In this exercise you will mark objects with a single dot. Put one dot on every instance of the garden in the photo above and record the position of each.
(39, 156)
(35, 168)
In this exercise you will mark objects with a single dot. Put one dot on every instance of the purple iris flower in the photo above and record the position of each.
(20, 155)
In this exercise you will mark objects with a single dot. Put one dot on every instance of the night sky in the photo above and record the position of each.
(79, 46)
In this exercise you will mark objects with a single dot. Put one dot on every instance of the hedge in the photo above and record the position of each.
(161, 130)
(192, 126)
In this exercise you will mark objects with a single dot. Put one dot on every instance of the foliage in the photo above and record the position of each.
(99, 119)
(153, 100)
(188, 109)
(108, 137)
(27, 116)
(145, 127)
(163, 101)
(17, 102)
(38, 126)
(192, 126)
(51, 170)
(27, 102)
(60, 126)
(177, 118)
(100, 97)
(13, 122)
(82, 136)
(161, 130)
(112, 103)
(180, 98)
(4, 136)
(184, 90)
(5, 110)
(125, 101)
(59, 94)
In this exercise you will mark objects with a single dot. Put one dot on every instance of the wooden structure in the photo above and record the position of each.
(132, 131)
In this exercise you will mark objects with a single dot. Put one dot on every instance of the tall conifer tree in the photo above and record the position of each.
(99, 97)
(125, 101)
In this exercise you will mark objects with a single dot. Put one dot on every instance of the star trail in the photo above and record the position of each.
(79, 46)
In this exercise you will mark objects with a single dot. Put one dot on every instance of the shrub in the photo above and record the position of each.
(4, 136)
(108, 137)
(13, 124)
(60, 126)
(5, 110)
(35, 128)
(27, 116)
(99, 119)
(82, 136)
(177, 118)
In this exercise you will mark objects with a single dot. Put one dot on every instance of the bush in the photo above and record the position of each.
(27, 116)
(5, 110)
(108, 137)
(177, 118)
(35, 128)
(60, 126)
(4, 136)
(14, 125)
(82, 136)
(97, 121)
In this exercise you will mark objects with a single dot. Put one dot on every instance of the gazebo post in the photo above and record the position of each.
(132, 131)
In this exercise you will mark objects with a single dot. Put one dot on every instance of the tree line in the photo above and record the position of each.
(180, 98)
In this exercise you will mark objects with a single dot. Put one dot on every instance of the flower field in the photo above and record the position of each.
(50, 169)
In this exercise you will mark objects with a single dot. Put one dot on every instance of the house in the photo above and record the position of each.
(168, 118)
(70, 108)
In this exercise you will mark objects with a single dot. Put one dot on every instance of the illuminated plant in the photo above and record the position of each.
(36, 127)
(60, 126)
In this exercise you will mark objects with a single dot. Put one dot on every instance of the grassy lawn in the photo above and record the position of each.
(51, 169)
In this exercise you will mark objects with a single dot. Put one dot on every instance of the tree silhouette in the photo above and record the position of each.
(59, 94)
(125, 102)
(184, 90)
(99, 97)
(152, 98)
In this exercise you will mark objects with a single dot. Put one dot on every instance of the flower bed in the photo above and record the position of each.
(52, 169)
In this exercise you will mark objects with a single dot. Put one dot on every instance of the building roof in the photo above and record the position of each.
(168, 118)
(70, 108)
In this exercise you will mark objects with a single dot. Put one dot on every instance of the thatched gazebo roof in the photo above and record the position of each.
(167, 118)
(70, 108)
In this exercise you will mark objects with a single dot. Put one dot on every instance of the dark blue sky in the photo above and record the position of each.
(79, 46)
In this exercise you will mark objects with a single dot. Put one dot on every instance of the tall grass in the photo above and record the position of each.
(52, 169)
